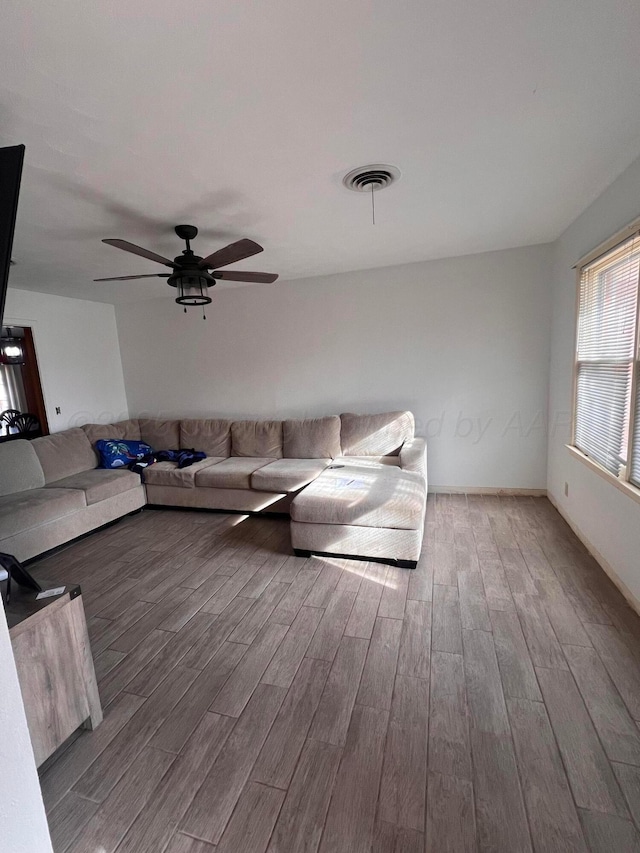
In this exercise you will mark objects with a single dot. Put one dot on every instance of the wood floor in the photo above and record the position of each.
(257, 702)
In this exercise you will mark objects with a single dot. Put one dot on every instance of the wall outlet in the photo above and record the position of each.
(566, 490)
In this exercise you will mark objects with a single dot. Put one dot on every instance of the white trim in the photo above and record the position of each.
(606, 250)
(574, 374)
(597, 556)
(623, 485)
(633, 397)
(17, 321)
(606, 246)
(487, 490)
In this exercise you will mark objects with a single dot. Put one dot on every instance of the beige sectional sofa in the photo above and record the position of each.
(354, 485)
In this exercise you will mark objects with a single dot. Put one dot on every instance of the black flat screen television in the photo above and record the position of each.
(11, 160)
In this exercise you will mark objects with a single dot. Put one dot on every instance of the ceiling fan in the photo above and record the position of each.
(191, 276)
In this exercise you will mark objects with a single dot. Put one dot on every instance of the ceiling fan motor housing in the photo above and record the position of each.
(186, 232)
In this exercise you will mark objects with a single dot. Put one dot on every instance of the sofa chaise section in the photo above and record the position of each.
(367, 506)
(371, 503)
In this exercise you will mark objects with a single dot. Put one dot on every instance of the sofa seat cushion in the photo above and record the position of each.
(288, 475)
(25, 510)
(368, 497)
(99, 484)
(232, 473)
(168, 473)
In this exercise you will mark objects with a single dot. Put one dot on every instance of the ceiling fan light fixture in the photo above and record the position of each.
(193, 288)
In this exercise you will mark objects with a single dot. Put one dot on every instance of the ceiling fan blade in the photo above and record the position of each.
(138, 250)
(130, 277)
(237, 251)
(238, 275)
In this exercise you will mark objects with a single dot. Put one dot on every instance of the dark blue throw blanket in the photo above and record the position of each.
(183, 458)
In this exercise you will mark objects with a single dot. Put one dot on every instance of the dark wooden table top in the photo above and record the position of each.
(23, 602)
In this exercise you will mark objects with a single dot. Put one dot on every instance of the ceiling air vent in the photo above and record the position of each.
(371, 178)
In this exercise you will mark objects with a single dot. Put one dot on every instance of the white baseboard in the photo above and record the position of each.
(487, 490)
(604, 564)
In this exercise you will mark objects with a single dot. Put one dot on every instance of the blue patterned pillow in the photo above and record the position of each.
(118, 453)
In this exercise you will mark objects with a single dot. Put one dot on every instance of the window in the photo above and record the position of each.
(607, 371)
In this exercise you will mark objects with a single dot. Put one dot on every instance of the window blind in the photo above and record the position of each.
(606, 356)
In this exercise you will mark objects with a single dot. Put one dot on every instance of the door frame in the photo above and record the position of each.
(33, 383)
(36, 402)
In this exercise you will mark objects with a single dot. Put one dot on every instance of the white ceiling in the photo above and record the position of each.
(506, 117)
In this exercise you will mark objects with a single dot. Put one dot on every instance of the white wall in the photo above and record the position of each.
(78, 356)
(606, 518)
(23, 825)
(463, 343)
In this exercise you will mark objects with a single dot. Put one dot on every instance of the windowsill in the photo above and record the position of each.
(621, 485)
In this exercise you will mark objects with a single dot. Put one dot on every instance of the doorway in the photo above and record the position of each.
(22, 411)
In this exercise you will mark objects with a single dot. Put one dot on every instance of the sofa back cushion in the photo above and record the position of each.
(211, 435)
(159, 433)
(262, 439)
(102, 432)
(130, 429)
(20, 468)
(375, 435)
(65, 453)
(312, 438)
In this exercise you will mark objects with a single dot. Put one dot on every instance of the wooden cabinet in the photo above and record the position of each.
(55, 668)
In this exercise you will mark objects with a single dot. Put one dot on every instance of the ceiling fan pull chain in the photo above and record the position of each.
(373, 207)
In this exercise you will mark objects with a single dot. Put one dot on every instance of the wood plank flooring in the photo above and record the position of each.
(257, 702)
